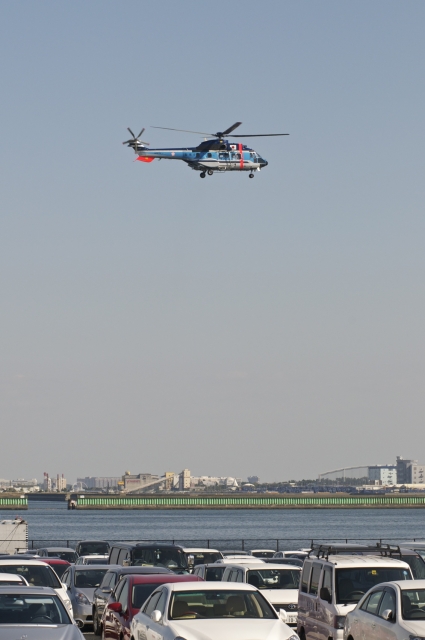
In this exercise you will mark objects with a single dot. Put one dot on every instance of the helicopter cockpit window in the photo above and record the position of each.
(223, 156)
(209, 155)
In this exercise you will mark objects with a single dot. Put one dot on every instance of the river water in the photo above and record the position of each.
(53, 523)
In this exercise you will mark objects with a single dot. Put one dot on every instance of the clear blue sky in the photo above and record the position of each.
(153, 321)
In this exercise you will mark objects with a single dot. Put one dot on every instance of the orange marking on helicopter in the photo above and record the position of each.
(241, 152)
(145, 159)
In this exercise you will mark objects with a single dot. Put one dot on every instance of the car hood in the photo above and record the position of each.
(40, 632)
(415, 627)
(232, 629)
(280, 596)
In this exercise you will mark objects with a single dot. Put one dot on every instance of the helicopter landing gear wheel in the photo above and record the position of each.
(210, 172)
(202, 175)
(251, 175)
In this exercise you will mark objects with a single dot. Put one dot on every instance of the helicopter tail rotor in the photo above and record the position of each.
(135, 141)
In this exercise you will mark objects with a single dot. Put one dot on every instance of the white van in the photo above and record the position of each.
(277, 583)
(331, 587)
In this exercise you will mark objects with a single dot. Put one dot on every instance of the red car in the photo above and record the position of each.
(129, 595)
(58, 565)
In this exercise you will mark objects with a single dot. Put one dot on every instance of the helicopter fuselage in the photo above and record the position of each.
(210, 156)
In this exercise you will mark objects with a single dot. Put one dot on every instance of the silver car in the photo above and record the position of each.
(35, 613)
(81, 581)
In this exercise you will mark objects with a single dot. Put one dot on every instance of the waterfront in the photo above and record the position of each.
(52, 521)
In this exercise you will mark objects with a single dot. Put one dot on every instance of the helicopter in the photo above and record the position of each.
(215, 154)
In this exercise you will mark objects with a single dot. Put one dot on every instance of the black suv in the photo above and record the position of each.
(144, 554)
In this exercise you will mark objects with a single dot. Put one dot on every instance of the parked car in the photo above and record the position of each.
(58, 565)
(239, 559)
(110, 580)
(81, 582)
(210, 572)
(196, 555)
(292, 561)
(331, 587)
(170, 556)
(263, 553)
(37, 574)
(393, 610)
(13, 580)
(209, 610)
(92, 547)
(278, 584)
(300, 555)
(64, 553)
(35, 613)
(130, 594)
(92, 559)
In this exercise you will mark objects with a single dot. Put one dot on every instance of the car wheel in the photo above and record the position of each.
(302, 634)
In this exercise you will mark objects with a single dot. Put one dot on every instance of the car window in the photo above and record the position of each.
(315, 577)
(160, 605)
(239, 577)
(231, 576)
(213, 574)
(123, 597)
(413, 604)
(387, 602)
(305, 577)
(107, 580)
(372, 603)
(87, 579)
(32, 609)
(66, 578)
(35, 575)
(122, 556)
(141, 593)
(221, 603)
(151, 603)
(114, 555)
(118, 590)
(327, 579)
(353, 583)
(416, 564)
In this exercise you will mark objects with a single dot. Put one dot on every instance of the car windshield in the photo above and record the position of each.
(160, 557)
(223, 603)
(88, 548)
(96, 561)
(35, 575)
(70, 556)
(274, 578)
(86, 579)
(140, 593)
(263, 554)
(26, 609)
(413, 604)
(417, 565)
(204, 557)
(352, 584)
(59, 569)
(214, 574)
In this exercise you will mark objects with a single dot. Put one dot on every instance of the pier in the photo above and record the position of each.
(247, 501)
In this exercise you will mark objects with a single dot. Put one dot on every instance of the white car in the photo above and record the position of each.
(279, 584)
(12, 580)
(299, 554)
(213, 611)
(262, 553)
(238, 559)
(37, 574)
(391, 610)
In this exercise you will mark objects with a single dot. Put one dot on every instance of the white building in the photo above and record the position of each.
(417, 474)
(385, 474)
(184, 480)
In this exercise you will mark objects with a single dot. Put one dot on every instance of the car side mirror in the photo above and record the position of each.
(156, 616)
(387, 614)
(115, 606)
(325, 594)
(283, 615)
(190, 560)
(106, 590)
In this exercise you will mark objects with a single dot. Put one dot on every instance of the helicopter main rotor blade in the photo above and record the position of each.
(128, 129)
(141, 132)
(232, 128)
(258, 135)
(202, 133)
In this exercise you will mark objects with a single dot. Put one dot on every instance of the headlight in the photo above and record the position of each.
(81, 598)
(339, 622)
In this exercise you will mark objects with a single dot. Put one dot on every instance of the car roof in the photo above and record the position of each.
(407, 584)
(360, 561)
(162, 578)
(92, 540)
(140, 570)
(268, 550)
(221, 565)
(149, 545)
(55, 561)
(200, 549)
(10, 576)
(37, 563)
(56, 549)
(264, 566)
(42, 591)
(211, 586)
(95, 555)
(90, 567)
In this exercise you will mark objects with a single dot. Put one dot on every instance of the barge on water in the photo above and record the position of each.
(13, 501)
(156, 501)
